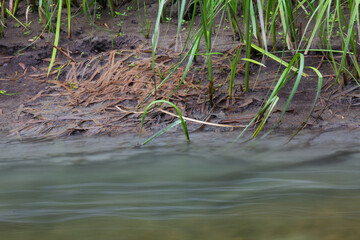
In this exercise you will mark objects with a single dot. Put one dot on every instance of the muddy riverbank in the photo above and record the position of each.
(103, 79)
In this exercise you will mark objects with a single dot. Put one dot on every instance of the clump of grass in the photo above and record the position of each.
(146, 31)
(278, 20)
(257, 25)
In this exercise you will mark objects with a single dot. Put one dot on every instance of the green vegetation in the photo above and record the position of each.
(279, 19)
(181, 120)
(3, 92)
(301, 26)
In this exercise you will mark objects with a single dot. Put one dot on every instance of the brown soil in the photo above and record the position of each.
(110, 82)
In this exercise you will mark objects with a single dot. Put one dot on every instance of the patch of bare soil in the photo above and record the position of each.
(102, 82)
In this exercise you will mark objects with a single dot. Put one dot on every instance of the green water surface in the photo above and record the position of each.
(104, 188)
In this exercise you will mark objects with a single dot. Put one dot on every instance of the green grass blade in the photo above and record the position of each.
(157, 28)
(248, 38)
(233, 70)
(253, 61)
(262, 24)
(207, 18)
(68, 6)
(354, 14)
(277, 59)
(15, 7)
(183, 123)
(233, 16)
(17, 20)
(161, 132)
(265, 111)
(269, 104)
(85, 9)
(321, 8)
(3, 92)
(180, 19)
(155, 39)
(267, 114)
(356, 66)
(112, 7)
(190, 55)
(57, 36)
(319, 86)
(296, 84)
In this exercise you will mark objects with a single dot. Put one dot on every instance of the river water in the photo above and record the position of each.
(105, 188)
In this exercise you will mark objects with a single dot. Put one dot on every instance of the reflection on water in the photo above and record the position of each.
(104, 188)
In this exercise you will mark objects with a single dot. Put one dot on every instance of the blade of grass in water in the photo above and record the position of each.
(162, 132)
(183, 123)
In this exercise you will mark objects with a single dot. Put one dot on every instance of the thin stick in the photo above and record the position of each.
(186, 118)
(62, 51)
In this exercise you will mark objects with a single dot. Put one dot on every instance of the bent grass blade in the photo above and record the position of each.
(182, 121)
(17, 20)
(265, 111)
(354, 15)
(275, 58)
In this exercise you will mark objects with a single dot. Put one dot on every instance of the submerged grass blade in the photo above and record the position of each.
(183, 123)
(265, 111)
(161, 132)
